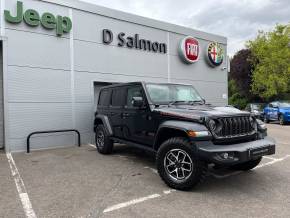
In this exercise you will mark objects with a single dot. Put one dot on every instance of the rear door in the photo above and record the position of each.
(116, 109)
(274, 111)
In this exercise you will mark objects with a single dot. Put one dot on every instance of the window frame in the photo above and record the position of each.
(145, 106)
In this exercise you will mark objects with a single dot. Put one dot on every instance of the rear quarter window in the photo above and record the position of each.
(105, 98)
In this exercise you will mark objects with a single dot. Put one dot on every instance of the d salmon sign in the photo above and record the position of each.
(189, 50)
(215, 54)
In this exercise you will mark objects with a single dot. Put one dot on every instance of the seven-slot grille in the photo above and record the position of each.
(228, 127)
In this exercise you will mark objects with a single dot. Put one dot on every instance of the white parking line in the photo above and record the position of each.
(166, 192)
(94, 146)
(270, 158)
(272, 162)
(129, 203)
(26, 204)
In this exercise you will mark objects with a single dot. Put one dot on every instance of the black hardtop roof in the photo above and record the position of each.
(120, 85)
(136, 83)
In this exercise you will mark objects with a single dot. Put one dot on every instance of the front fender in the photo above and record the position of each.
(182, 125)
(178, 125)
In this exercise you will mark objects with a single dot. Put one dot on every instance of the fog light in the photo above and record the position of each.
(225, 155)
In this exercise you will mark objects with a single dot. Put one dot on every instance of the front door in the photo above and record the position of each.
(138, 125)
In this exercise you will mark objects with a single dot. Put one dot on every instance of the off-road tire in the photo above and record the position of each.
(281, 120)
(247, 165)
(198, 170)
(107, 146)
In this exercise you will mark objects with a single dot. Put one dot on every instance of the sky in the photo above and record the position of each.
(238, 20)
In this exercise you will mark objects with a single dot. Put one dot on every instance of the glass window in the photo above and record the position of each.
(284, 104)
(166, 93)
(105, 98)
(135, 91)
(118, 97)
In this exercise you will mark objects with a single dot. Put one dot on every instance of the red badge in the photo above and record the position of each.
(189, 49)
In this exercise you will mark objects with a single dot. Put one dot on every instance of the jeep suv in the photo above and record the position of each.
(185, 133)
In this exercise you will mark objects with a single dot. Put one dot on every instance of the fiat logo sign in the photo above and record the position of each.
(189, 50)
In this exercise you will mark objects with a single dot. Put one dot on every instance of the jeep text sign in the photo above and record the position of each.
(189, 49)
(32, 18)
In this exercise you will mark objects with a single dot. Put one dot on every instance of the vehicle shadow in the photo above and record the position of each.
(216, 179)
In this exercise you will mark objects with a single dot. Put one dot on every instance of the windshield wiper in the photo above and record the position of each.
(197, 101)
(175, 102)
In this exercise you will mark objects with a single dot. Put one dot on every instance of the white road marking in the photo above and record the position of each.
(152, 169)
(94, 146)
(270, 158)
(166, 192)
(129, 203)
(26, 204)
(272, 162)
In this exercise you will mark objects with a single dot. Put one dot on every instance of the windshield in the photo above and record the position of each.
(284, 104)
(172, 93)
(257, 106)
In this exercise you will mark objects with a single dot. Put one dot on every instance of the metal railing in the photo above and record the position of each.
(51, 131)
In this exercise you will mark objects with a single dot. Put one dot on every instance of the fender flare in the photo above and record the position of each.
(183, 126)
(105, 121)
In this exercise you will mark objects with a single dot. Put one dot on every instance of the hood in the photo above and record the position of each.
(285, 109)
(200, 111)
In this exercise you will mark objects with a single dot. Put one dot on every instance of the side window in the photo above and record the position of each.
(105, 98)
(274, 104)
(118, 97)
(135, 91)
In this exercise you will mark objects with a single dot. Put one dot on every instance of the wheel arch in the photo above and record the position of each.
(102, 119)
(170, 129)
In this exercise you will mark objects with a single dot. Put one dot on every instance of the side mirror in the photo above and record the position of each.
(137, 101)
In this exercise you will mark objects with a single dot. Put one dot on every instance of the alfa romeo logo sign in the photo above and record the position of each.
(189, 49)
(215, 54)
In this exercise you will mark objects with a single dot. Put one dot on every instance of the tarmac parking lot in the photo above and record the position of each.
(79, 182)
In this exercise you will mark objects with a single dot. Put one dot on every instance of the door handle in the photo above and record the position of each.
(124, 115)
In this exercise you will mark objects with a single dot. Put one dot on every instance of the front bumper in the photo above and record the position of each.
(235, 153)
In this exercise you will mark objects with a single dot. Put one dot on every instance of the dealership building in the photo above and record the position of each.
(55, 55)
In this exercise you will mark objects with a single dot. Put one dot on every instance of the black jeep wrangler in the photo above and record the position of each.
(187, 135)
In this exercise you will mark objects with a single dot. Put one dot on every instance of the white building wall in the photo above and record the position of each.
(50, 79)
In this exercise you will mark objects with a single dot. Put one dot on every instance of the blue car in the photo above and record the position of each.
(277, 111)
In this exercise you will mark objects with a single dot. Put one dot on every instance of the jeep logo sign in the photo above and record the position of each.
(189, 50)
(32, 18)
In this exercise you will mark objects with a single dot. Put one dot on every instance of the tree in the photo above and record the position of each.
(271, 63)
(241, 71)
(235, 98)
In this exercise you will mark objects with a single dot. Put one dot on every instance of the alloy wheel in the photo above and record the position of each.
(178, 164)
(100, 139)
